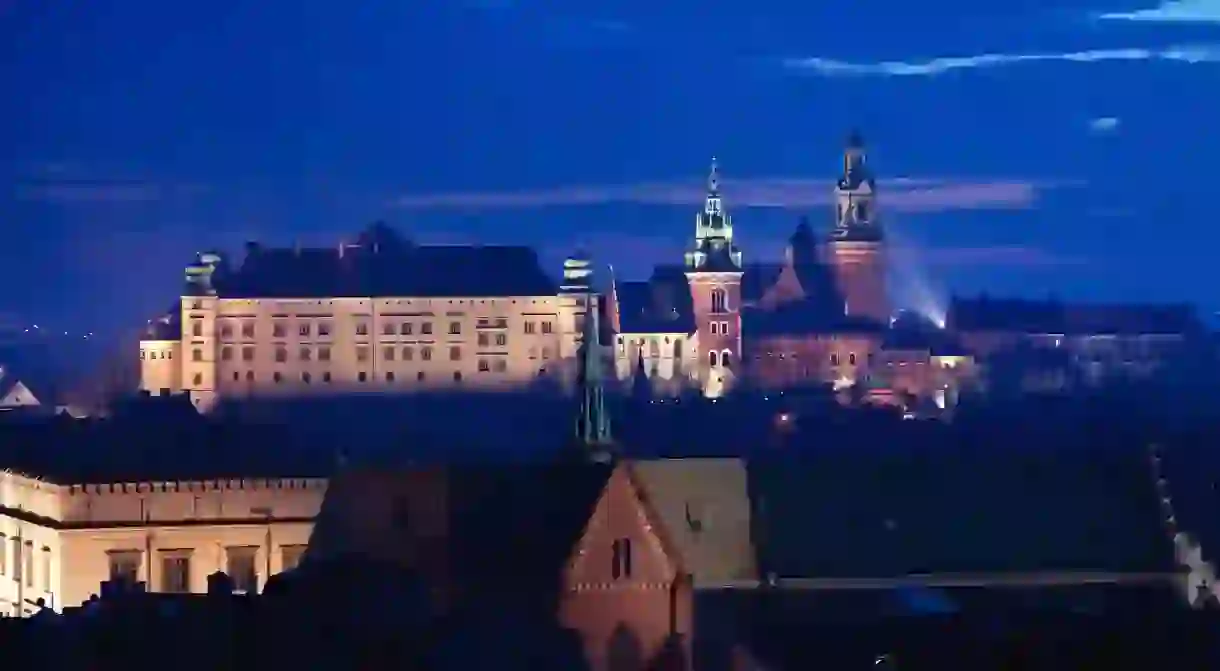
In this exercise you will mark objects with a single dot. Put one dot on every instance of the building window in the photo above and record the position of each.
(484, 340)
(362, 376)
(247, 330)
(389, 377)
(247, 354)
(547, 327)
(226, 330)
(406, 328)
(249, 376)
(834, 359)
(17, 565)
(387, 353)
(3, 554)
(851, 358)
(455, 353)
(457, 376)
(426, 328)
(712, 359)
(620, 560)
(290, 556)
(425, 353)
(326, 376)
(197, 328)
(654, 348)
(408, 354)
(304, 354)
(715, 326)
(420, 376)
(726, 359)
(484, 366)
(279, 330)
(124, 566)
(362, 329)
(362, 353)
(388, 329)
(176, 572)
(501, 340)
(323, 328)
(455, 328)
(306, 378)
(242, 566)
(277, 377)
(27, 560)
(323, 354)
(303, 329)
(281, 354)
(720, 301)
(500, 365)
(198, 379)
(197, 354)
(226, 353)
(529, 328)
(724, 328)
(501, 322)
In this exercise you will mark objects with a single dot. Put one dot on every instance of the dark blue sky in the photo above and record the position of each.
(1067, 155)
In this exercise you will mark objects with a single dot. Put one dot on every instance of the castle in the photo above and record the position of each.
(383, 314)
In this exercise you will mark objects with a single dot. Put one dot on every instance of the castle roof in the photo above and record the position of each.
(1055, 317)
(380, 264)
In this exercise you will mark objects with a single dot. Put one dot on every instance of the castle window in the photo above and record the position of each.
(387, 353)
(547, 327)
(242, 566)
(408, 354)
(529, 328)
(323, 354)
(362, 329)
(281, 354)
(713, 359)
(654, 348)
(387, 329)
(834, 359)
(500, 365)
(501, 322)
(247, 329)
(406, 328)
(715, 326)
(362, 354)
(324, 328)
(851, 358)
(304, 354)
(278, 330)
(483, 340)
(306, 378)
(455, 353)
(501, 340)
(277, 377)
(3, 554)
(362, 376)
(455, 328)
(198, 379)
(457, 376)
(124, 566)
(720, 301)
(620, 559)
(249, 376)
(484, 366)
(197, 328)
(426, 328)
(326, 377)
(226, 353)
(176, 572)
(389, 376)
(236, 376)
(420, 376)
(726, 359)
(425, 353)
(226, 330)
(196, 354)
(304, 330)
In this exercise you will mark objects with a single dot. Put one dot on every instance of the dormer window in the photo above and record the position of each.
(620, 560)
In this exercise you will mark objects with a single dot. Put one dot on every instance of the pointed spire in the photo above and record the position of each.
(641, 386)
(593, 423)
(713, 179)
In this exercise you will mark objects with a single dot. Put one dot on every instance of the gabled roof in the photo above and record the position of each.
(704, 508)
(661, 305)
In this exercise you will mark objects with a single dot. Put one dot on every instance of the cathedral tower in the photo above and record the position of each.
(713, 271)
(857, 244)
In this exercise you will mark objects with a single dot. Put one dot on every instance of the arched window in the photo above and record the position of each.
(712, 359)
(720, 301)
(726, 359)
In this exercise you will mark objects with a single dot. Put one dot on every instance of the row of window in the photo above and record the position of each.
(280, 329)
(497, 365)
(19, 562)
(241, 565)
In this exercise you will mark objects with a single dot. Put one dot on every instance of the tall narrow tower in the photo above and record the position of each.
(592, 420)
(857, 244)
(713, 271)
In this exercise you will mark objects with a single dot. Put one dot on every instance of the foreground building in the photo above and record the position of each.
(380, 314)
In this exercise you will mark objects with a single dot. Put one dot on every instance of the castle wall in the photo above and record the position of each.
(160, 368)
(860, 276)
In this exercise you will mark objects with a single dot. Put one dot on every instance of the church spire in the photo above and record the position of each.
(712, 206)
(592, 423)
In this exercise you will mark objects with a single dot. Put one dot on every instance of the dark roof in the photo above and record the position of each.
(915, 332)
(809, 316)
(757, 278)
(661, 305)
(382, 268)
(1054, 317)
(958, 503)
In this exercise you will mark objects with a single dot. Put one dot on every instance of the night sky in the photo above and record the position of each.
(1029, 148)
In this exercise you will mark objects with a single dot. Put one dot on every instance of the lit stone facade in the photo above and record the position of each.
(60, 542)
(270, 328)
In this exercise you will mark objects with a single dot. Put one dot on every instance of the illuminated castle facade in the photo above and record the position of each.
(378, 315)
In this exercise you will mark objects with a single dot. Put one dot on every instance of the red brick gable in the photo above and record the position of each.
(619, 515)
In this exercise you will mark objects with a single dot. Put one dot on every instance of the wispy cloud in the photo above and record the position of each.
(1105, 124)
(1171, 11)
(76, 191)
(908, 195)
(1200, 53)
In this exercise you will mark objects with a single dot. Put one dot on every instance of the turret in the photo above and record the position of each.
(856, 245)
